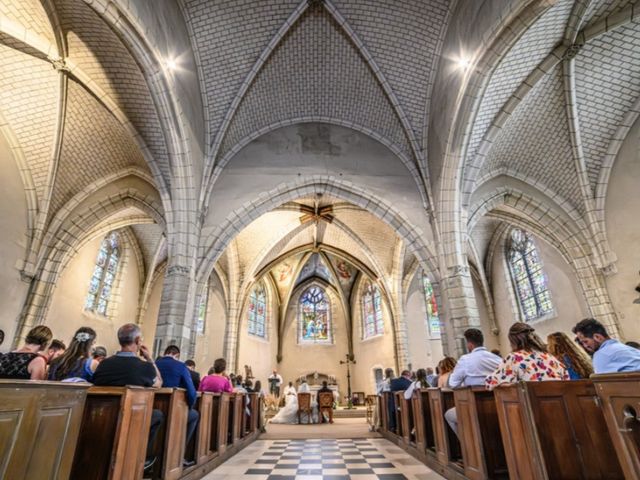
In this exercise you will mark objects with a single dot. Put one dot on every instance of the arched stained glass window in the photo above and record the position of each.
(257, 311)
(433, 317)
(201, 312)
(315, 318)
(528, 276)
(104, 274)
(372, 321)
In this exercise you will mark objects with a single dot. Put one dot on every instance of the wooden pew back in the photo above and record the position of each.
(555, 430)
(169, 445)
(39, 427)
(620, 396)
(447, 446)
(479, 431)
(113, 437)
(422, 420)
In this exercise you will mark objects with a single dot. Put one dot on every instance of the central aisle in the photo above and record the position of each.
(327, 459)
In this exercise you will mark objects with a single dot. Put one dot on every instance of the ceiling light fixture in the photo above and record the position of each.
(171, 64)
(463, 62)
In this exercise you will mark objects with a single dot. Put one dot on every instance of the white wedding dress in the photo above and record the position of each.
(288, 413)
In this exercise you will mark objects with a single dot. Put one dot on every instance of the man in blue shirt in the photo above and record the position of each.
(175, 374)
(609, 355)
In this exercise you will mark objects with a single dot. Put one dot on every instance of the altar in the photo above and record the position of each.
(314, 381)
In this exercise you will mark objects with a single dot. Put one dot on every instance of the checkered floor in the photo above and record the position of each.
(361, 459)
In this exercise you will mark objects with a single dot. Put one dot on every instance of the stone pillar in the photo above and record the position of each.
(462, 311)
(177, 312)
(230, 349)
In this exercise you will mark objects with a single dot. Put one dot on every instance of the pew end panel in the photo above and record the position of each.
(480, 440)
(114, 433)
(620, 397)
(39, 427)
(170, 442)
(521, 446)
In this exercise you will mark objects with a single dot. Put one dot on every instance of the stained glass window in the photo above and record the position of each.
(528, 276)
(201, 312)
(433, 317)
(104, 274)
(257, 311)
(315, 318)
(372, 321)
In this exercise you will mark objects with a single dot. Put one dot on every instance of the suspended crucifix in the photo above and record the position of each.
(316, 214)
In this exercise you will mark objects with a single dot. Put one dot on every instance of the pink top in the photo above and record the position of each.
(215, 384)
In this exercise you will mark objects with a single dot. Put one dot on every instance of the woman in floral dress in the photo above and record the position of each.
(528, 361)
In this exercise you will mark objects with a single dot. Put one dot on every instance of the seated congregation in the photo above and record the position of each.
(141, 417)
(565, 409)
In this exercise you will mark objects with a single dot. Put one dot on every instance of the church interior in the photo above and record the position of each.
(322, 188)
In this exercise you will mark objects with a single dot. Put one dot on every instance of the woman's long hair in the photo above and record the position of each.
(78, 351)
(446, 365)
(560, 344)
(522, 336)
(421, 376)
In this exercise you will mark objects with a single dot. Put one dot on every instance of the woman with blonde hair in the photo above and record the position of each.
(528, 361)
(576, 362)
(445, 367)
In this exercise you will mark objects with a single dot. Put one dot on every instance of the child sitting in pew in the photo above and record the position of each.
(76, 363)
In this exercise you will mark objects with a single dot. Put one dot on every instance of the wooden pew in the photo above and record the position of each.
(113, 436)
(479, 431)
(423, 422)
(204, 434)
(220, 422)
(383, 411)
(404, 418)
(620, 397)
(555, 430)
(254, 407)
(239, 417)
(39, 427)
(447, 446)
(169, 445)
(397, 402)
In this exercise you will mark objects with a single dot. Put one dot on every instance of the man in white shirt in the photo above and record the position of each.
(471, 369)
(275, 381)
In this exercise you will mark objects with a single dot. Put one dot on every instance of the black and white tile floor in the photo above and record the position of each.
(358, 459)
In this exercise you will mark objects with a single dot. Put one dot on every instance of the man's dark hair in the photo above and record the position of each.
(405, 373)
(324, 384)
(474, 336)
(57, 345)
(633, 344)
(589, 327)
(220, 365)
(190, 363)
(172, 350)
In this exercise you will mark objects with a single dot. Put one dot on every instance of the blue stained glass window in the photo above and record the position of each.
(372, 320)
(257, 311)
(201, 312)
(528, 276)
(101, 284)
(433, 317)
(315, 318)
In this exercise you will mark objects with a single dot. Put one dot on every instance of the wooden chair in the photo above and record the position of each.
(620, 396)
(370, 403)
(555, 430)
(304, 406)
(325, 404)
(39, 427)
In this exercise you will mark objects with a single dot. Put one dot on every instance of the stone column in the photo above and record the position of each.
(176, 316)
(462, 311)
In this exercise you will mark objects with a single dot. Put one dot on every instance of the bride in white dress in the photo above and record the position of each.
(288, 413)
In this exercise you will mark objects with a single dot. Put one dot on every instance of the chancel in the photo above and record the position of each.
(347, 233)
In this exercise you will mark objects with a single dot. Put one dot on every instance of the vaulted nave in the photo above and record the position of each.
(216, 211)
